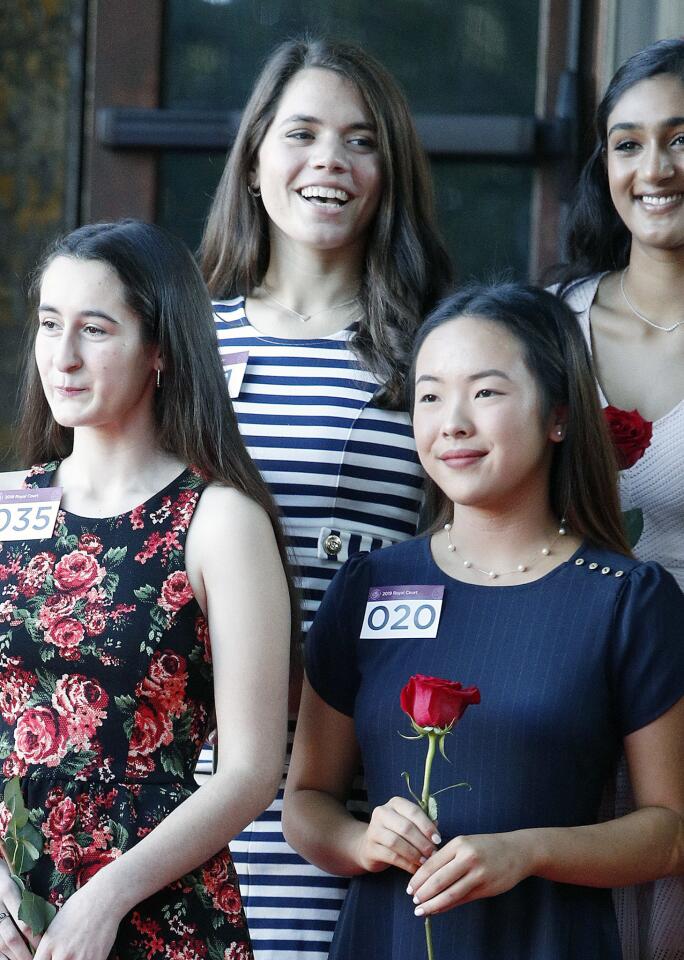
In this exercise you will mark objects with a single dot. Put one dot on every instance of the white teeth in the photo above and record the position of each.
(660, 201)
(324, 193)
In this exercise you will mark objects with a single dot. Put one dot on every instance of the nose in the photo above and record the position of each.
(657, 164)
(456, 422)
(67, 356)
(329, 155)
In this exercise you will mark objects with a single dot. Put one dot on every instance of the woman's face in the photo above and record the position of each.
(95, 368)
(318, 166)
(477, 416)
(645, 156)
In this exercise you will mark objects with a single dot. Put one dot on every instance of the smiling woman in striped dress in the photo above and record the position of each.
(322, 253)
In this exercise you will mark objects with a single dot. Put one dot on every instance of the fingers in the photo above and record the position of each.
(452, 875)
(12, 943)
(399, 835)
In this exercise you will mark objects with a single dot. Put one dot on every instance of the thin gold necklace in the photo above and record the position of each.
(521, 567)
(305, 317)
(636, 313)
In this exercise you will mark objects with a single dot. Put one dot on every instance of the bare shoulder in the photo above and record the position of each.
(225, 512)
(12, 479)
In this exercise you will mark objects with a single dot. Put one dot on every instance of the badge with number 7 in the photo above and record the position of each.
(29, 514)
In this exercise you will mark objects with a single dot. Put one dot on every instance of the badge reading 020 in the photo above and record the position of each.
(409, 610)
(29, 514)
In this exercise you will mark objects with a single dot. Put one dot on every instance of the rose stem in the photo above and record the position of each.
(425, 803)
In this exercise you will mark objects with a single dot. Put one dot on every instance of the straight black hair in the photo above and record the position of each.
(583, 476)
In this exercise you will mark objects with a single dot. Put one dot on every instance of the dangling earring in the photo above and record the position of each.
(158, 378)
(253, 191)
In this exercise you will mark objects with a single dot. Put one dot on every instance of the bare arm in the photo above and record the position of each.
(641, 846)
(325, 758)
(234, 568)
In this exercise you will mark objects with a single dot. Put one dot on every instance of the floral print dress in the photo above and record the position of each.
(105, 695)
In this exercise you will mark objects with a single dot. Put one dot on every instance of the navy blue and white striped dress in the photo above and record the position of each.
(346, 477)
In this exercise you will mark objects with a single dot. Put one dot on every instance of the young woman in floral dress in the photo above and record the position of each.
(159, 600)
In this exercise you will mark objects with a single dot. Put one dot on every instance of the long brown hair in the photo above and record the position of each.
(583, 476)
(194, 414)
(406, 265)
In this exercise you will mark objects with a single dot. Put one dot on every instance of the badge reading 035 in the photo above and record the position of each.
(409, 610)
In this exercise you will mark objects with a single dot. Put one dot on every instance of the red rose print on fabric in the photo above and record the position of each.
(77, 572)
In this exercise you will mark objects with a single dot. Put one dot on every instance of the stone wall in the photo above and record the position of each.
(41, 57)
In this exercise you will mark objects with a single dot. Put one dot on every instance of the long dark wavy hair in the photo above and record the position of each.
(583, 475)
(406, 267)
(596, 239)
(193, 411)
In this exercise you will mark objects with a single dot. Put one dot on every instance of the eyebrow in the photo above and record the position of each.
(669, 122)
(305, 118)
(97, 314)
(480, 375)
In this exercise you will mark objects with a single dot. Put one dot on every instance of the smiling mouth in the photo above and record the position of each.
(656, 201)
(324, 196)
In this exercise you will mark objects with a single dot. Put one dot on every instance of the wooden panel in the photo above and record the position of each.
(123, 70)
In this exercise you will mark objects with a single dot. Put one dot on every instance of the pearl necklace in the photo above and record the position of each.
(521, 568)
(305, 317)
(636, 313)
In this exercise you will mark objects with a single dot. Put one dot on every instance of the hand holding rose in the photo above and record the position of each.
(470, 868)
(399, 835)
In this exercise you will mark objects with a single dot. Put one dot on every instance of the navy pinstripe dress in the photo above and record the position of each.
(346, 477)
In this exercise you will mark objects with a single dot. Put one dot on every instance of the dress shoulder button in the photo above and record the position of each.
(619, 573)
(605, 570)
(579, 561)
(593, 566)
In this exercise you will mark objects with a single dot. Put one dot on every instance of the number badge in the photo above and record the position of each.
(411, 610)
(28, 514)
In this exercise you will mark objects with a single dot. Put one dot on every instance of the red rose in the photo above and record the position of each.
(61, 819)
(631, 435)
(165, 681)
(432, 702)
(13, 766)
(82, 702)
(227, 899)
(175, 592)
(90, 543)
(65, 634)
(56, 607)
(217, 872)
(16, 687)
(41, 564)
(77, 571)
(66, 853)
(39, 737)
(151, 729)
(92, 861)
(139, 767)
(95, 619)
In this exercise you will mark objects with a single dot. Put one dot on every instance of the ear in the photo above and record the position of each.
(558, 424)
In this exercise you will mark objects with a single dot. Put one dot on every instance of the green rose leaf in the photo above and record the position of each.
(432, 809)
(21, 855)
(35, 911)
(15, 803)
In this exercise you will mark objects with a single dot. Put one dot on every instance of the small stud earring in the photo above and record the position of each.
(253, 191)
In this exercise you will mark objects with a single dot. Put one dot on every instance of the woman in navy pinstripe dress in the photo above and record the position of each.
(322, 255)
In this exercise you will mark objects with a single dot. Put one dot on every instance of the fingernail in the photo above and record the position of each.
(422, 860)
(418, 912)
(436, 838)
(409, 889)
